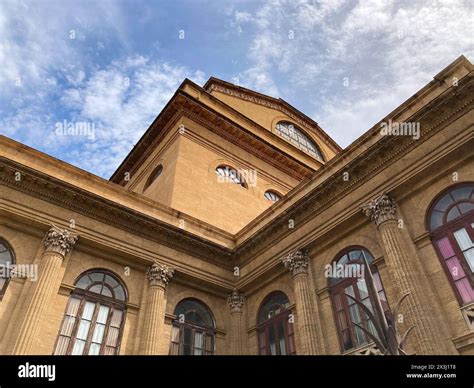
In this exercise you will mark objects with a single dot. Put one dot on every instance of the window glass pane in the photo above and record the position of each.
(61, 347)
(445, 248)
(103, 314)
(466, 207)
(271, 339)
(83, 329)
(106, 291)
(78, 347)
(111, 281)
(116, 320)
(97, 288)
(97, 276)
(198, 343)
(453, 213)
(461, 193)
(455, 268)
(83, 282)
(463, 239)
(469, 256)
(281, 337)
(119, 293)
(444, 202)
(347, 340)
(94, 349)
(68, 325)
(112, 336)
(436, 219)
(465, 290)
(362, 286)
(98, 333)
(88, 310)
(187, 338)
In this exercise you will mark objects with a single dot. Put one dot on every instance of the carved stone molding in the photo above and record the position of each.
(159, 274)
(59, 240)
(468, 312)
(297, 262)
(380, 209)
(236, 301)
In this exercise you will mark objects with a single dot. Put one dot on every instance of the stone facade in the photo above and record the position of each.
(188, 236)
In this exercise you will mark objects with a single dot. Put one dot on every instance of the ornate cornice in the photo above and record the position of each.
(279, 105)
(159, 274)
(110, 213)
(297, 262)
(236, 301)
(380, 209)
(59, 240)
(386, 150)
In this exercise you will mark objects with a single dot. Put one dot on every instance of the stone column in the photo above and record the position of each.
(402, 266)
(307, 316)
(158, 276)
(236, 304)
(57, 242)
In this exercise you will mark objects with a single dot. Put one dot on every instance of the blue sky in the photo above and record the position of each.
(114, 64)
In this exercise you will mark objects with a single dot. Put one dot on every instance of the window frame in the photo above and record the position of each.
(154, 175)
(447, 231)
(8, 278)
(206, 331)
(238, 175)
(264, 327)
(339, 289)
(274, 192)
(85, 296)
(300, 133)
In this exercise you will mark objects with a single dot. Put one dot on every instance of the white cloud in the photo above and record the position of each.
(385, 50)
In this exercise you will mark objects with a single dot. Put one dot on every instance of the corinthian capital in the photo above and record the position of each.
(59, 240)
(380, 209)
(297, 262)
(236, 301)
(159, 274)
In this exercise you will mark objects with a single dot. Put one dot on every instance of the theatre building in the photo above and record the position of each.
(230, 228)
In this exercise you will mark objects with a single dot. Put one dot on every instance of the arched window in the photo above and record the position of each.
(272, 196)
(298, 138)
(275, 331)
(451, 225)
(94, 316)
(7, 259)
(155, 174)
(349, 275)
(227, 174)
(193, 331)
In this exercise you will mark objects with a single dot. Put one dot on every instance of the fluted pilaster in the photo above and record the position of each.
(158, 276)
(236, 303)
(306, 305)
(404, 273)
(57, 242)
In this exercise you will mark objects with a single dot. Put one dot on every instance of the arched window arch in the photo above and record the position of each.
(294, 135)
(94, 317)
(194, 329)
(7, 259)
(153, 176)
(275, 331)
(350, 275)
(227, 174)
(272, 196)
(450, 220)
